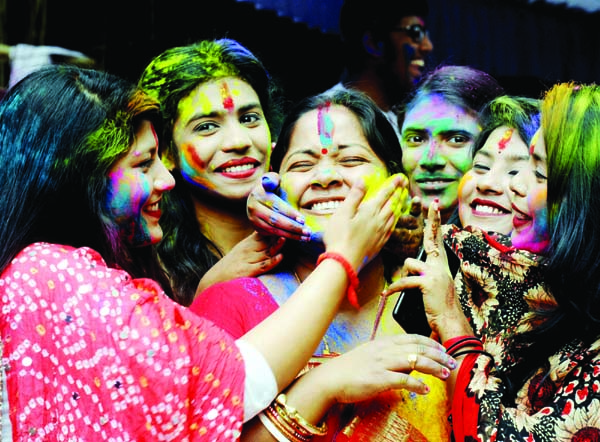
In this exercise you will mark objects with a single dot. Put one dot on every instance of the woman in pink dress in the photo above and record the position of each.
(92, 347)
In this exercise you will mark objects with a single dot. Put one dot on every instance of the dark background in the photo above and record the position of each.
(527, 46)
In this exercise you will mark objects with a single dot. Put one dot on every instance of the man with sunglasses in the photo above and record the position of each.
(386, 45)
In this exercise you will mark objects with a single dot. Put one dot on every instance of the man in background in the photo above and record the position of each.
(386, 45)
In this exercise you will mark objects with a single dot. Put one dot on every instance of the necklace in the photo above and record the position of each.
(380, 309)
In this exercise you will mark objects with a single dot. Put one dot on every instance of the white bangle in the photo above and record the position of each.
(272, 428)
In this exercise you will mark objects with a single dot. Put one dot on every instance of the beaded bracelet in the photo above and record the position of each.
(352, 276)
(293, 419)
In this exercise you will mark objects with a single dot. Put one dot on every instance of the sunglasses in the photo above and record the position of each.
(416, 32)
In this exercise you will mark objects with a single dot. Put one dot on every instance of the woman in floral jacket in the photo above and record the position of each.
(523, 316)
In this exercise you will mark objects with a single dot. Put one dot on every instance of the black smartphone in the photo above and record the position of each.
(409, 310)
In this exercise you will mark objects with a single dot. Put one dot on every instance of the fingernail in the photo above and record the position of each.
(452, 363)
(445, 373)
(268, 184)
(316, 236)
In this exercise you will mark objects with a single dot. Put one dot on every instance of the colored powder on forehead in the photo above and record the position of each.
(325, 126)
(227, 98)
(505, 138)
(534, 141)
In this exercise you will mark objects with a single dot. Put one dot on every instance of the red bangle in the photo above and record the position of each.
(352, 276)
(455, 344)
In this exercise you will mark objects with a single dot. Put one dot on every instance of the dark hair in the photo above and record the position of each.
(520, 113)
(173, 75)
(377, 129)
(463, 86)
(377, 16)
(571, 129)
(61, 129)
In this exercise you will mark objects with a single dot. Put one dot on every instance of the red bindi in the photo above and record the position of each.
(226, 96)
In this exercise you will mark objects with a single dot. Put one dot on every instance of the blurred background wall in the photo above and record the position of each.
(526, 44)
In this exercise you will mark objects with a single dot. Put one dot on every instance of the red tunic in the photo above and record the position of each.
(91, 354)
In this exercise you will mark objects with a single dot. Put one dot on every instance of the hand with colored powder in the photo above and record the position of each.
(271, 215)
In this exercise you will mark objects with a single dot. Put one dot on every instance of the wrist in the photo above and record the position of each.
(353, 281)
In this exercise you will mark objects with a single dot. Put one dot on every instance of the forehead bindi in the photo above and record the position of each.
(325, 127)
(226, 97)
(506, 137)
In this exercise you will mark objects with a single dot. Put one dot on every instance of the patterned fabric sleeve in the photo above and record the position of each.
(91, 354)
(501, 293)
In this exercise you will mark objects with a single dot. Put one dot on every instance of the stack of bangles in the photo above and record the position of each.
(286, 425)
(464, 345)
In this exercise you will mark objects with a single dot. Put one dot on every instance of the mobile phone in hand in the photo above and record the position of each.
(409, 310)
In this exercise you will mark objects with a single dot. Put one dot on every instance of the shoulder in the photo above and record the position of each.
(64, 271)
(236, 305)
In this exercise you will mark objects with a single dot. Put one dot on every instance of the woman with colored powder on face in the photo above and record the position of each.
(92, 348)
(523, 316)
(500, 151)
(327, 143)
(220, 107)
(439, 124)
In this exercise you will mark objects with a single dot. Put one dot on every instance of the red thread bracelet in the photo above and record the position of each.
(352, 276)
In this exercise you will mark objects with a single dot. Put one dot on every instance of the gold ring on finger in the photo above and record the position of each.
(412, 360)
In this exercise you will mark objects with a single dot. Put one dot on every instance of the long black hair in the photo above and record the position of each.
(61, 129)
(185, 252)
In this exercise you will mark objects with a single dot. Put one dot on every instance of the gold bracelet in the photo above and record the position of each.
(290, 432)
(291, 414)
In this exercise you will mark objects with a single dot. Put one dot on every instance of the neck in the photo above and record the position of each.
(371, 278)
(371, 86)
(224, 226)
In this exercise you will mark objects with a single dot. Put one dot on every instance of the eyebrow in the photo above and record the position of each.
(538, 158)
(444, 132)
(316, 151)
(214, 114)
(512, 157)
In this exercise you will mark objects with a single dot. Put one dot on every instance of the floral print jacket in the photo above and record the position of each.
(502, 295)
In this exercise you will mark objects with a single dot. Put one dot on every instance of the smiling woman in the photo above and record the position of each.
(500, 152)
(327, 144)
(220, 108)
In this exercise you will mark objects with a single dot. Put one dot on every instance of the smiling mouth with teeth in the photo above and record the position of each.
(325, 205)
(418, 62)
(241, 168)
(489, 210)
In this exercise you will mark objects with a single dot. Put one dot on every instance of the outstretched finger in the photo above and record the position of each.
(433, 241)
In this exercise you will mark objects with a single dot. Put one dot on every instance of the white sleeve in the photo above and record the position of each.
(260, 387)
